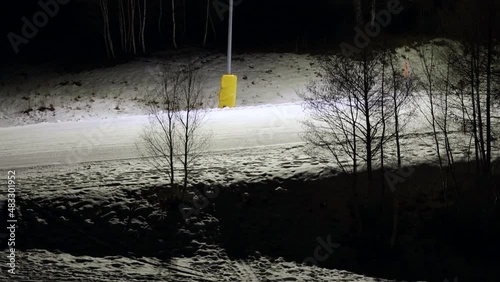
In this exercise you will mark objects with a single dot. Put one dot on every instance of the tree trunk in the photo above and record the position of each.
(367, 113)
(140, 17)
(358, 12)
(482, 149)
(173, 25)
(382, 168)
(171, 132)
(110, 39)
(144, 27)
(488, 91)
(373, 13)
(429, 74)
(184, 20)
(396, 111)
(132, 26)
(106, 32)
(395, 208)
(355, 173)
(121, 22)
(474, 116)
(428, 68)
(382, 156)
(160, 16)
(187, 129)
(449, 152)
(206, 24)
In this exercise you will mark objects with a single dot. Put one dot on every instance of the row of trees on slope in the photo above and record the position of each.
(126, 21)
(364, 101)
(123, 23)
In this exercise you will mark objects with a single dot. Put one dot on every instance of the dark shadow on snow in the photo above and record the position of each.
(292, 218)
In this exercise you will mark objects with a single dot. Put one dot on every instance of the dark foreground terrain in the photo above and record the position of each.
(275, 226)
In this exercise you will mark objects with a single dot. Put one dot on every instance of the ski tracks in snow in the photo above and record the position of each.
(245, 271)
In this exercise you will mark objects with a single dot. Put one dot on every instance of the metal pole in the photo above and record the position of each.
(230, 37)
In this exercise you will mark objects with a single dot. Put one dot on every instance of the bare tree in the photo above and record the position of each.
(346, 114)
(190, 119)
(159, 135)
(429, 85)
(332, 127)
(476, 32)
(401, 89)
(173, 139)
(364, 76)
(445, 86)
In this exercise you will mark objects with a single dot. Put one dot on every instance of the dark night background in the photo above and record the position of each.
(278, 26)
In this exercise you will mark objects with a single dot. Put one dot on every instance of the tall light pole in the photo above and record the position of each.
(229, 82)
(230, 37)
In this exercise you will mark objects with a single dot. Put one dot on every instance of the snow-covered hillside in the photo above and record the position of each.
(125, 89)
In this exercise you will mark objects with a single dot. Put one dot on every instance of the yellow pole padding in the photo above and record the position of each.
(228, 88)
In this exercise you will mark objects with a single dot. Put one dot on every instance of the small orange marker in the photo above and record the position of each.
(406, 70)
